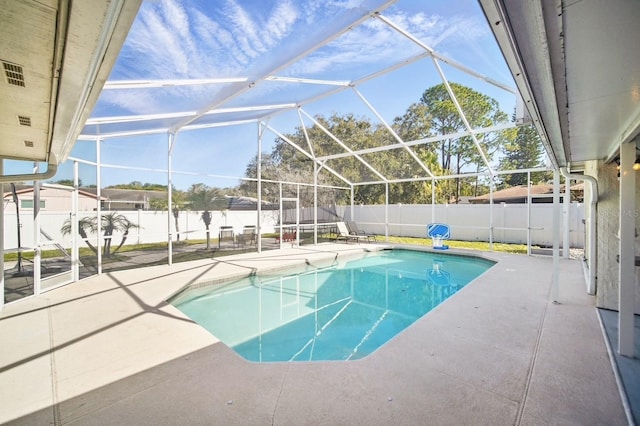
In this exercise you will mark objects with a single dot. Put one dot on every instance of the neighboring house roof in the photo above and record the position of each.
(518, 194)
(24, 189)
(128, 195)
(237, 202)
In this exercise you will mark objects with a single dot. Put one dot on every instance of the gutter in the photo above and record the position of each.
(52, 168)
(592, 263)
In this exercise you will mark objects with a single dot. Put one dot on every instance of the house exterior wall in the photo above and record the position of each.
(56, 200)
(608, 216)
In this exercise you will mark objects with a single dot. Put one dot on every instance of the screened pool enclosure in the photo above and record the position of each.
(248, 130)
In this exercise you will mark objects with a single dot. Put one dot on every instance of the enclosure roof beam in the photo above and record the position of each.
(219, 124)
(252, 108)
(149, 117)
(142, 132)
(234, 92)
(135, 118)
(423, 141)
(146, 84)
(394, 134)
(452, 95)
(305, 153)
(443, 58)
(123, 134)
(454, 176)
(341, 87)
(306, 133)
(308, 81)
(344, 146)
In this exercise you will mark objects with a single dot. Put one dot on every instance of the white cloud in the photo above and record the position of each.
(374, 42)
(279, 23)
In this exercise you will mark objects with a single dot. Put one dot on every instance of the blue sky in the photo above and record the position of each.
(173, 39)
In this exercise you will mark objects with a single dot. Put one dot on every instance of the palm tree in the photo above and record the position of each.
(201, 198)
(85, 224)
(178, 203)
(111, 223)
(115, 222)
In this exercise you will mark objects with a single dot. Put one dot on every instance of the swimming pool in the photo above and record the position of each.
(342, 312)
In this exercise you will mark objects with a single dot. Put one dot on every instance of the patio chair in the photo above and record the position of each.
(353, 230)
(287, 236)
(226, 234)
(248, 236)
(344, 234)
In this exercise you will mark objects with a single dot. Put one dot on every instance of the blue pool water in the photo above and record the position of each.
(342, 312)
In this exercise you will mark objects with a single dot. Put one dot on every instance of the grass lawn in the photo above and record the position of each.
(86, 254)
(473, 245)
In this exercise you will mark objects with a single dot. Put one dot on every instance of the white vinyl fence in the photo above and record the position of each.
(471, 222)
(152, 226)
(468, 222)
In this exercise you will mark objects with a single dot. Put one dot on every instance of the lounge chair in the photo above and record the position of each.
(248, 236)
(353, 230)
(226, 234)
(344, 234)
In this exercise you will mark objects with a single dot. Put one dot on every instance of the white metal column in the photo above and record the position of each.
(627, 275)
(99, 206)
(75, 247)
(37, 249)
(259, 189)
(491, 184)
(555, 281)
(566, 209)
(433, 200)
(528, 213)
(315, 203)
(171, 142)
(351, 211)
(386, 211)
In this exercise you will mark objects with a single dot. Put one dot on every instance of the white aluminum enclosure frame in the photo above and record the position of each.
(188, 120)
(263, 113)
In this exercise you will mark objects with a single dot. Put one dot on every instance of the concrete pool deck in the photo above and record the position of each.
(110, 350)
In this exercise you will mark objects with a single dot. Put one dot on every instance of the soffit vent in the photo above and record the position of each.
(14, 74)
(24, 121)
(28, 144)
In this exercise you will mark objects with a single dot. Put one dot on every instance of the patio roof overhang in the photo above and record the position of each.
(575, 66)
(55, 55)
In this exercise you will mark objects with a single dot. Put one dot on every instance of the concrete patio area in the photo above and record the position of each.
(110, 350)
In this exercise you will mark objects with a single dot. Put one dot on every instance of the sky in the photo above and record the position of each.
(173, 39)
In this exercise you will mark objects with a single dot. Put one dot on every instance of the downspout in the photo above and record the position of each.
(591, 282)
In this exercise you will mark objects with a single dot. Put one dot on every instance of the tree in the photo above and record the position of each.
(68, 182)
(443, 119)
(139, 186)
(178, 203)
(524, 152)
(110, 223)
(85, 224)
(201, 197)
(288, 163)
(435, 114)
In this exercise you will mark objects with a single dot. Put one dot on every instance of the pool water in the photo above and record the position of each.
(342, 312)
